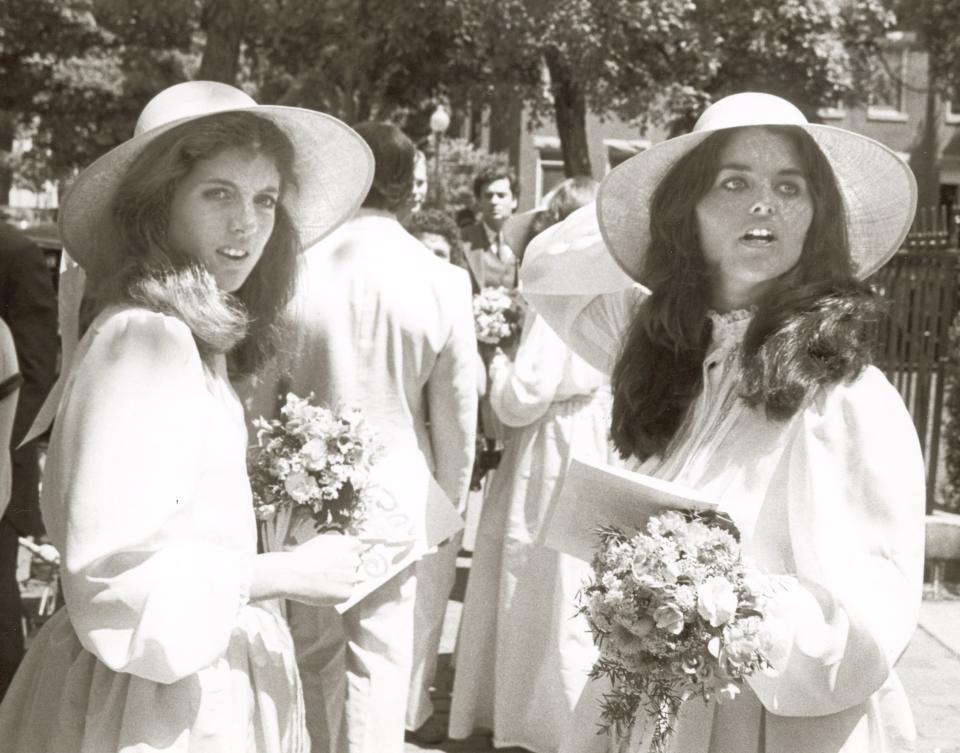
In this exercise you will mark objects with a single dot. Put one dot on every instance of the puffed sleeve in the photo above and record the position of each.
(521, 391)
(147, 595)
(573, 282)
(852, 482)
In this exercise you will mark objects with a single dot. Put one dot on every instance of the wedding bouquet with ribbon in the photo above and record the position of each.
(313, 463)
(496, 316)
(677, 614)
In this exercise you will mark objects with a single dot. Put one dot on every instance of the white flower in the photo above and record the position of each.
(314, 454)
(280, 467)
(717, 601)
(300, 486)
(669, 619)
(741, 642)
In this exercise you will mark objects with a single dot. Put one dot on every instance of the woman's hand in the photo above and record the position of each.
(320, 572)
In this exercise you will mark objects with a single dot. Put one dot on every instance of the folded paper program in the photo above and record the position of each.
(597, 496)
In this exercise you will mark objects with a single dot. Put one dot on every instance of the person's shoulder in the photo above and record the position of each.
(133, 333)
(473, 234)
(868, 396)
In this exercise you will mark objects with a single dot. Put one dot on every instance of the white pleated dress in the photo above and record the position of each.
(145, 494)
(523, 654)
(830, 503)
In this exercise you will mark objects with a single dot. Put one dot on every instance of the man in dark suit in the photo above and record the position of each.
(490, 259)
(28, 305)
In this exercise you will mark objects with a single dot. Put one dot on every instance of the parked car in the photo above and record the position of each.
(47, 237)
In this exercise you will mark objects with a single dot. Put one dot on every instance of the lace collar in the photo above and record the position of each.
(730, 326)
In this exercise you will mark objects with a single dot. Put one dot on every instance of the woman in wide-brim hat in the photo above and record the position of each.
(719, 279)
(189, 234)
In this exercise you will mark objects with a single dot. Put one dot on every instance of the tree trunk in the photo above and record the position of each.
(225, 22)
(7, 132)
(570, 111)
(927, 169)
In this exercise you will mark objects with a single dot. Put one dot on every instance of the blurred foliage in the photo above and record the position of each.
(77, 72)
(661, 61)
(937, 24)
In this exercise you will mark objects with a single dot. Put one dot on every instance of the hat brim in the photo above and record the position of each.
(878, 189)
(518, 230)
(334, 170)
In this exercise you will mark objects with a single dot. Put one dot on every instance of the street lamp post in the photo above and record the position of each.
(439, 123)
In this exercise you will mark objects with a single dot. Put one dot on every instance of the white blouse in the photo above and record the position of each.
(146, 496)
(830, 501)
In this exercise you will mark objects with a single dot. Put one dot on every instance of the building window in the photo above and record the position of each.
(550, 171)
(887, 96)
(951, 115)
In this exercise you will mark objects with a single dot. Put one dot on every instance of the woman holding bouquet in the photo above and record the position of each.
(745, 374)
(189, 233)
(529, 655)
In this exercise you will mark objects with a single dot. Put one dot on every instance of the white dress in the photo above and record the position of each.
(145, 494)
(830, 502)
(523, 653)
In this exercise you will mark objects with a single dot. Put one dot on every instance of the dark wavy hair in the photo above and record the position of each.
(568, 197)
(809, 329)
(440, 223)
(495, 172)
(143, 269)
(394, 156)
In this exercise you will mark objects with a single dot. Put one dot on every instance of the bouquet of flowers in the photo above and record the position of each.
(315, 460)
(676, 614)
(496, 315)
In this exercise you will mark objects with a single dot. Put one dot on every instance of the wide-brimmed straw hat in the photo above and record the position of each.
(519, 229)
(334, 166)
(878, 188)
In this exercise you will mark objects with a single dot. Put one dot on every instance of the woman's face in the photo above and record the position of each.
(223, 213)
(753, 220)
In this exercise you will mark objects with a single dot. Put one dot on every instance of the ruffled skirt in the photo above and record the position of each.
(64, 700)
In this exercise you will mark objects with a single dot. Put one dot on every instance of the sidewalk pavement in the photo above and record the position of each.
(929, 670)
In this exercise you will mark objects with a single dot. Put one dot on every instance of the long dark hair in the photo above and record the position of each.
(142, 268)
(808, 329)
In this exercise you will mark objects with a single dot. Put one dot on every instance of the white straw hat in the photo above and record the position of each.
(334, 166)
(878, 188)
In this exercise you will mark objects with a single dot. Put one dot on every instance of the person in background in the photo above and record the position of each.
(526, 653)
(436, 572)
(464, 217)
(10, 383)
(28, 304)
(435, 230)
(380, 323)
(418, 195)
(743, 371)
(189, 233)
(490, 260)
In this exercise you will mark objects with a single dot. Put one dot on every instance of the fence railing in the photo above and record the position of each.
(913, 339)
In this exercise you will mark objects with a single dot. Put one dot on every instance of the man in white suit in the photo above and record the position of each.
(382, 324)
